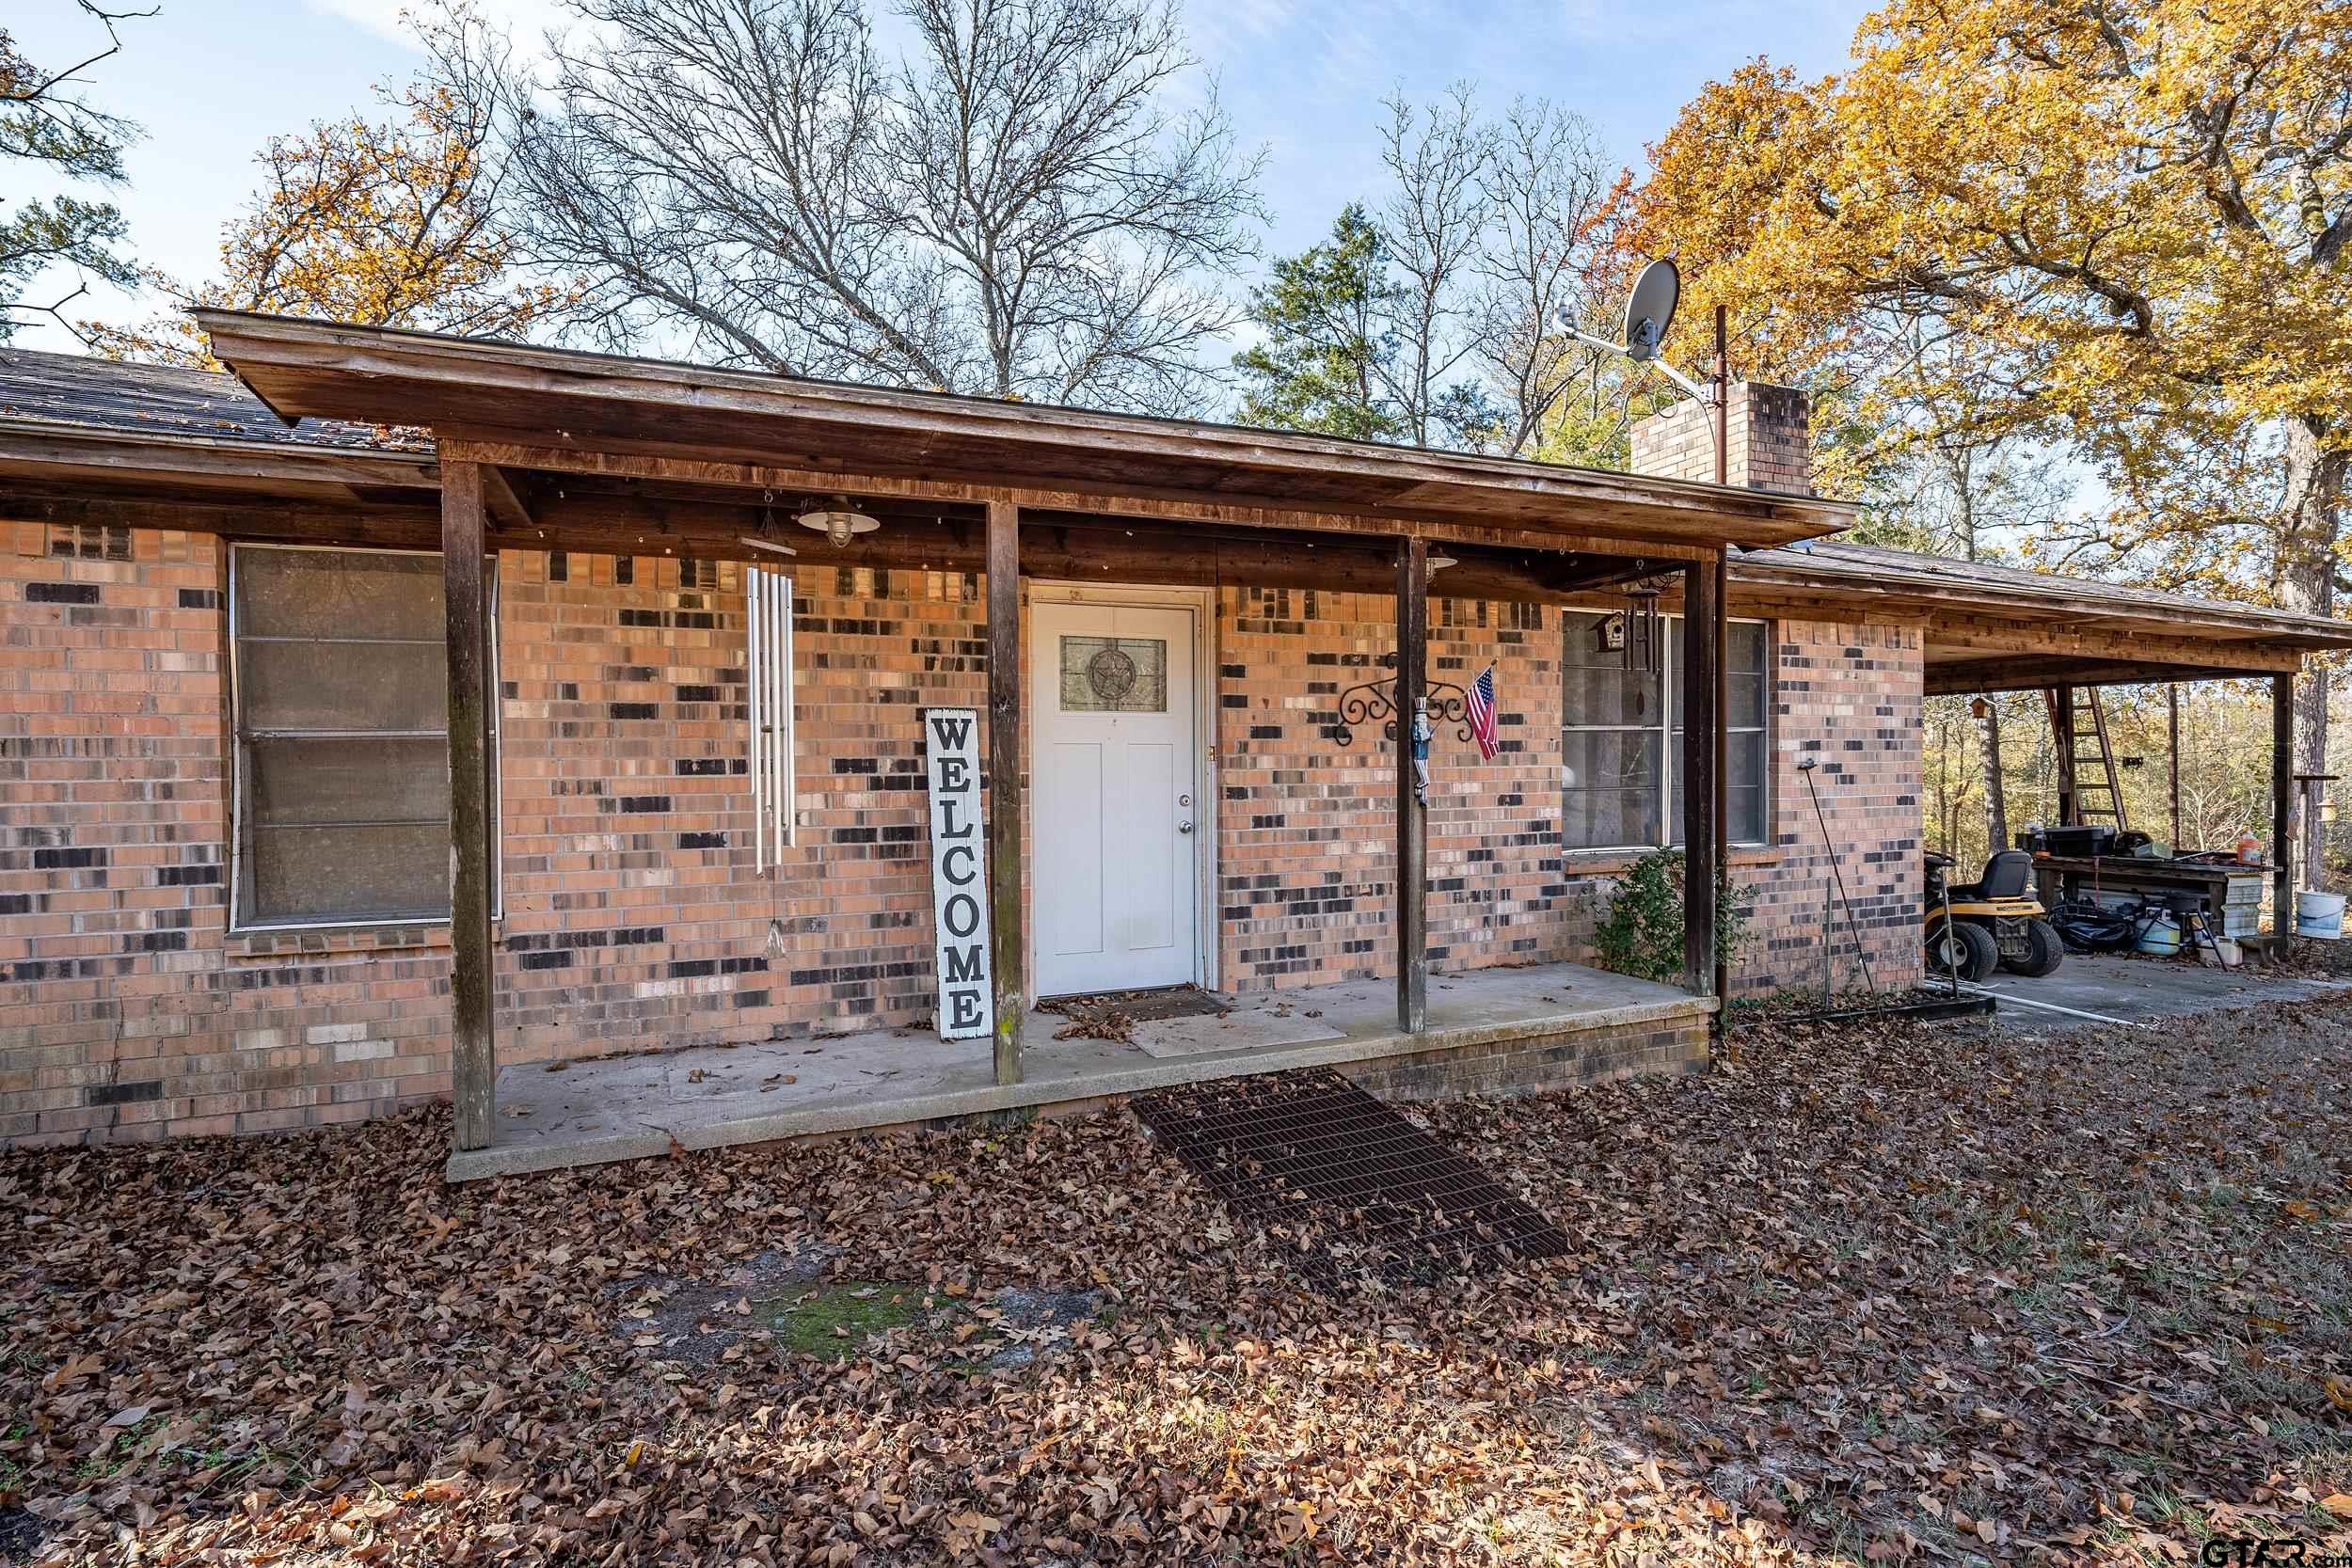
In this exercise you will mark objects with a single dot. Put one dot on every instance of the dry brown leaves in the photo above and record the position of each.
(1902, 1295)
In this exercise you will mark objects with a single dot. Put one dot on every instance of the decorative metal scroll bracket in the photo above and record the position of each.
(1375, 701)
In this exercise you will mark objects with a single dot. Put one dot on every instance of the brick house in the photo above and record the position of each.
(237, 687)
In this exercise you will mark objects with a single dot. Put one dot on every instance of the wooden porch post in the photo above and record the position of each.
(1412, 845)
(1005, 783)
(2062, 734)
(1720, 575)
(1702, 745)
(2281, 812)
(473, 1062)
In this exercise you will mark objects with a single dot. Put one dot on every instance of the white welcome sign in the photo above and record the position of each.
(959, 889)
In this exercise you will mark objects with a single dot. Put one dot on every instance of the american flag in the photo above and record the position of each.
(1481, 706)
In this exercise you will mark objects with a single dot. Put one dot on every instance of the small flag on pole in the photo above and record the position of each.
(1481, 706)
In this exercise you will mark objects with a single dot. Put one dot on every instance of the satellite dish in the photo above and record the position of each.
(1651, 309)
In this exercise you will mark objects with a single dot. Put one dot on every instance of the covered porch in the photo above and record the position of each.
(1480, 1026)
(541, 450)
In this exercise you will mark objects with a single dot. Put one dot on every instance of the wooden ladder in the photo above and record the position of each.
(2090, 790)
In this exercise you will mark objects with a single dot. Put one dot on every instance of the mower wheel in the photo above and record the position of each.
(2043, 952)
(1970, 949)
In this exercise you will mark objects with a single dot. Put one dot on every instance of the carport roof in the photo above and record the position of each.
(1993, 627)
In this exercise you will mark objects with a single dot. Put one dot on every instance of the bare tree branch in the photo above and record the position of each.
(1009, 210)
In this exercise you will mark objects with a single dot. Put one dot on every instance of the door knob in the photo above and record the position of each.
(1184, 826)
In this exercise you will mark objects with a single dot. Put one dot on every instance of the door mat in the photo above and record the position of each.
(1113, 1015)
(1343, 1184)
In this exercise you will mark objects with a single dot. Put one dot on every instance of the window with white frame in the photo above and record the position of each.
(341, 696)
(1621, 738)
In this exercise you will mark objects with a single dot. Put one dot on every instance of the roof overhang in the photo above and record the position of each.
(2023, 631)
(43, 452)
(565, 410)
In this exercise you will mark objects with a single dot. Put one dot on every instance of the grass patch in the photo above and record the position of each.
(831, 1320)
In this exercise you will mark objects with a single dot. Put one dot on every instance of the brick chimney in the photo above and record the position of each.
(1770, 446)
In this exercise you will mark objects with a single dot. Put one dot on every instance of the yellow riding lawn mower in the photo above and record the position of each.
(1973, 927)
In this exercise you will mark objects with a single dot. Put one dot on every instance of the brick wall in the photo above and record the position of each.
(1308, 832)
(633, 915)
(1850, 695)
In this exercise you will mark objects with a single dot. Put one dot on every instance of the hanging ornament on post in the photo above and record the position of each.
(1421, 749)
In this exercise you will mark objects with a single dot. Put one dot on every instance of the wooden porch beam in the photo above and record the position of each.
(416, 528)
(1004, 786)
(1702, 721)
(505, 504)
(1967, 677)
(2077, 640)
(473, 1062)
(1413, 828)
(1240, 511)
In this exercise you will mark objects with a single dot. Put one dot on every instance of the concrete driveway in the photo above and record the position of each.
(2115, 989)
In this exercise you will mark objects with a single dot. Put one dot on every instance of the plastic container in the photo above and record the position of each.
(2319, 915)
(2160, 936)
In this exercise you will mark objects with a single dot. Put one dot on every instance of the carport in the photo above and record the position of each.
(1989, 628)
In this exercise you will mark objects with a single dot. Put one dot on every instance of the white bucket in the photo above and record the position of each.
(2319, 915)
(2162, 936)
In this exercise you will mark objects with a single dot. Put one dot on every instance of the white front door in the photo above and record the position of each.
(1116, 816)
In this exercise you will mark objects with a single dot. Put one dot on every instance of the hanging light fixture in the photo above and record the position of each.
(840, 524)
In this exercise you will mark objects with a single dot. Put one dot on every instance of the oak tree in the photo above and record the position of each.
(2132, 220)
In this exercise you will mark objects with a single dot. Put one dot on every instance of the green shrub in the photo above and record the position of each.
(1643, 935)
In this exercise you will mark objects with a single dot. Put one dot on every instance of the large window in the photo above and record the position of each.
(342, 697)
(1621, 738)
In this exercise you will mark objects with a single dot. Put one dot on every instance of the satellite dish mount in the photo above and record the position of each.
(1649, 311)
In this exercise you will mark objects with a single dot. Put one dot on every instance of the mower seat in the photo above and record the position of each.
(2005, 876)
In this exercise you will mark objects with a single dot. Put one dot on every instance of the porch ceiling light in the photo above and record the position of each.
(1439, 561)
(840, 524)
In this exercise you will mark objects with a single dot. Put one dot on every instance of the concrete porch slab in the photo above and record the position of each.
(587, 1111)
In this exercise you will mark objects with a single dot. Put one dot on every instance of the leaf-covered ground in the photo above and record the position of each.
(1861, 1295)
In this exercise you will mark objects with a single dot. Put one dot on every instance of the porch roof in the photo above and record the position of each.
(568, 411)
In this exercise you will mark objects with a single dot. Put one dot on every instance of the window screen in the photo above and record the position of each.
(343, 745)
(1621, 738)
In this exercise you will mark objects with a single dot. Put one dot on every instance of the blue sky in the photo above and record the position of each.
(211, 80)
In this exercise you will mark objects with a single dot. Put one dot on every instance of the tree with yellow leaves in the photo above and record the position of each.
(389, 222)
(2126, 226)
